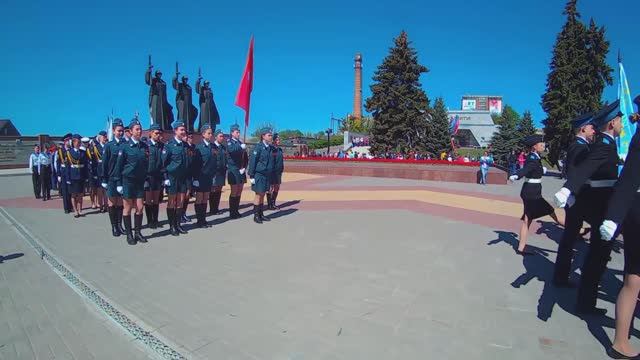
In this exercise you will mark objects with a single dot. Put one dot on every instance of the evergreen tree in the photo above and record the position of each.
(438, 136)
(398, 103)
(508, 137)
(526, 127)
(578, 72)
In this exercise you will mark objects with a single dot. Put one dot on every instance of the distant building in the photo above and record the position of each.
(476, 128)
(492, 104)
(7, 128)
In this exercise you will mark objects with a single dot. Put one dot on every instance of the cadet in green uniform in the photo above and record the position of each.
(236, 167)
(599, 170)
(221, 172)
(205, 164)
(278, 169)
(153, 185)
(109, 159)
(131, 170)
(261, 165)
(175, 161)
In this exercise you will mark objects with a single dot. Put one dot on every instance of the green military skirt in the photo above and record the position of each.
(218, 179)
(132, 188)
(262, 183)
(235, 178)
(111, 189)
(177, 185)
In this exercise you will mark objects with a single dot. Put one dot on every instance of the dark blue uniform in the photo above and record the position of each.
(132, 164)
(209, 166)
(278, 167)
(576, 153)
(237, 160)
(98, 154)
(599, 170)
(221, 170)
(94, 180)
(261, 166)
(77, 170)
(65, 191)
(535, 206)
(154, 170)
(175, 162)
(109, 170)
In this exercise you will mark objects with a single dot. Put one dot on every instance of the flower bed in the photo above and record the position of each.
(458, 162)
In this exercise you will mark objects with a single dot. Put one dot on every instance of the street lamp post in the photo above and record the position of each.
(329, 132)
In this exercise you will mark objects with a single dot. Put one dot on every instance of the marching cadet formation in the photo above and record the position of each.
(129, 175)
(593, 193)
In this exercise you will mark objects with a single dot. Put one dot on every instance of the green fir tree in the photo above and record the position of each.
(398, 104)
(508, 137)
(526, 127)
(438, 136)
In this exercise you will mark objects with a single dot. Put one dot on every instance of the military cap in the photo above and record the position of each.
(205, 127)
(176, 124)
(275, 136)
(582, 120)
(117, 122)
(102, 133)
(76, 137)
(154, 127)
(265, 130)
(532, 140)
(67, 136)
(607, 114)
(235, 127)
(85, 139)
(133, 123)
(158, 72)
(217, 132)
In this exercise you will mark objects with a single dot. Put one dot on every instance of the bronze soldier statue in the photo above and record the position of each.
(208, 111)
(159, 108)
(186, 111)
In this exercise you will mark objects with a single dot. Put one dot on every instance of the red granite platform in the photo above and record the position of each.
(449, 173)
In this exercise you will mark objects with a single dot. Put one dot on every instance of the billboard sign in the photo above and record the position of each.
(495, 106)
(468, 104)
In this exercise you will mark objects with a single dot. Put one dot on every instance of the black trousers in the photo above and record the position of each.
(65, 192)
(572, 225)
(597, 258)
(35, 179)
(45, 181)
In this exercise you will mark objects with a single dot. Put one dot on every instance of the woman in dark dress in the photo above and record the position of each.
(535, 206)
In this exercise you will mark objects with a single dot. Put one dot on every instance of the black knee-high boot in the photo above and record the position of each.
(112, 218)
(262, 217)
(256, 214)
(137, 227)
(148, 209)
(211, 203)
(127, 225)
(171, 215)
(119, 211)
(179, 214)
(156, 213)
(215, 209)
(269, 201)
(274, 196)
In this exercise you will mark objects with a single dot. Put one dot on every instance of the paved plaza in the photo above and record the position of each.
(349, 268)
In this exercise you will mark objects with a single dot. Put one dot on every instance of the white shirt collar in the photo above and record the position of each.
(117, 139)
(216, 142)
(583, 138)
(134, 141)
(177, 140)
(265, 143)
(608, 135)
(152, 142)
(207, 143)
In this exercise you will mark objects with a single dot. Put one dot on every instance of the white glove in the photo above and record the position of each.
(196, 183)
(104, 185)
(253, 181)
(59, 179)
(119, 189)
(242, 170)
(561, 197)
(167, 182)
(513, 178)
(68, 182)
(243, 146)
(95, 177)
(146, 184)
(607, 229)
(544, 170)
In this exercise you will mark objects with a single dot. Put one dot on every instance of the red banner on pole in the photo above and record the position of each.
(243, 98)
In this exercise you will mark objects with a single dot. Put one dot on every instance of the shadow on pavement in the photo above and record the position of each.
(10, 257)
(538, 266)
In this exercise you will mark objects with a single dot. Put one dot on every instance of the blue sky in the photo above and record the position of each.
(66, 64)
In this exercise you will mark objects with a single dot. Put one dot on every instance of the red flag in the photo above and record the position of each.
(243, 98)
